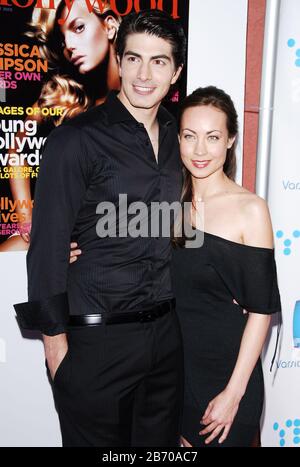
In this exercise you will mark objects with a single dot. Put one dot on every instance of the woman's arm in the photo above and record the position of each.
(221, 411)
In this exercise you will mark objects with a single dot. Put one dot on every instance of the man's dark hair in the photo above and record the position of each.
(156, 23)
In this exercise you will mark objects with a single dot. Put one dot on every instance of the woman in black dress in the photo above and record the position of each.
(227, 289)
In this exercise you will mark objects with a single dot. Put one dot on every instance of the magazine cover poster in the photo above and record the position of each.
(57, 59)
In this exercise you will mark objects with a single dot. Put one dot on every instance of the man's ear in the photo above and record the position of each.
(176, 74)
(119, 65)
(111, 26)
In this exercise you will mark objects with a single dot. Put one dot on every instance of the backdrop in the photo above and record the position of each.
(281, 423)
(216, 55)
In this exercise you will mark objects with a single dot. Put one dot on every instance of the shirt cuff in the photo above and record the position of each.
(50, 315)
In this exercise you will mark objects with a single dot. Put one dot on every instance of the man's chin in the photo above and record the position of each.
(142, 103)
(143, 106)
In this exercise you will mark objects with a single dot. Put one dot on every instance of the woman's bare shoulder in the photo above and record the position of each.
(249, 201)
(254, 218)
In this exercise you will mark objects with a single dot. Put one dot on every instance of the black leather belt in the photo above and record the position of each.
(142, 316)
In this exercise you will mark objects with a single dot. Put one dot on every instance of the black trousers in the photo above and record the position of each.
(122, 384)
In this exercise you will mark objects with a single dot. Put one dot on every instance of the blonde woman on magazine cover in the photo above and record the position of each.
(80, 48)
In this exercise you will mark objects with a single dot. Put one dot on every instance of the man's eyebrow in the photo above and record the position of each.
(166, 57)
(129, 52)
(155, 57)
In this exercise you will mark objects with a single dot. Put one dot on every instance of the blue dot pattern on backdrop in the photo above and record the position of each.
(291, 42)
(287, 242)
(282, 433)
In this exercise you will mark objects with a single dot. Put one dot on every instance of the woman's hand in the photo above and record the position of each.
(219, 415)
(74, 252)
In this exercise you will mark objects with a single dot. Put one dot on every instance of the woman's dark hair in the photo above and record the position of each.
(215, 97)
(156, 23)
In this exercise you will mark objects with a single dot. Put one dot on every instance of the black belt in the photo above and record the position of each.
(142, 316)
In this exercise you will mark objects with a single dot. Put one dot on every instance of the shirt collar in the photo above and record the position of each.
(117, 112)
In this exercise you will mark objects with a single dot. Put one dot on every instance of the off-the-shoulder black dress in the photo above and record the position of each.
(205, 282)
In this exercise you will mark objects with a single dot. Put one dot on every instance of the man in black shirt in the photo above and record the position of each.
(111, 335)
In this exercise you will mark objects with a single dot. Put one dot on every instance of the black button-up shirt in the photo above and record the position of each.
(90, 159)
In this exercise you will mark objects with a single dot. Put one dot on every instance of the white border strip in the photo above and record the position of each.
(267, 97)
